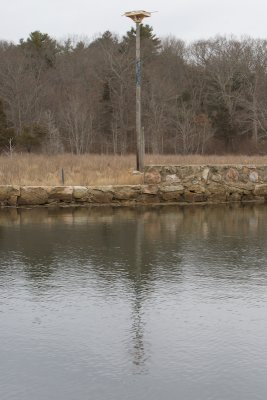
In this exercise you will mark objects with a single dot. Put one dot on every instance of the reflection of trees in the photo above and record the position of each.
(109, 238)
(131, 249)
(117, 247)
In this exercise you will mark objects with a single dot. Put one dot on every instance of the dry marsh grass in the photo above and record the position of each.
(97, 169)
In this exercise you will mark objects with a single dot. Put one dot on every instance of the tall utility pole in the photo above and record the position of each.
(140, 150)
(137, 17)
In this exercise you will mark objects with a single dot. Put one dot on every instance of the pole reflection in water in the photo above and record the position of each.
(138, 324)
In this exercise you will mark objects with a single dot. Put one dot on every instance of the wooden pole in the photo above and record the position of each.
(62, 176)
(139, 147)
(142, 152)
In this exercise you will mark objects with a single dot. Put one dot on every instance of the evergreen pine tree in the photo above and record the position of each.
(151, 43)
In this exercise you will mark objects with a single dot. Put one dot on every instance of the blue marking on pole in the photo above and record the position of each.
(138, 73)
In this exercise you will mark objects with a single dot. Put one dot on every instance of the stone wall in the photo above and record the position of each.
(163, 184)
(78, 195)
(209, 183)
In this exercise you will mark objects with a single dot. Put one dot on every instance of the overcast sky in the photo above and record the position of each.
(186, 19)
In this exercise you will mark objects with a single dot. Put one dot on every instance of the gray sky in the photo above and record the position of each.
(186, 19)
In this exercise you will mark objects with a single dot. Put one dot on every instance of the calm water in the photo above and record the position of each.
(146, 304)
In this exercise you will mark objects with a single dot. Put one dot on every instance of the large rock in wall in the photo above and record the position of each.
(163, 184)
(9, 195)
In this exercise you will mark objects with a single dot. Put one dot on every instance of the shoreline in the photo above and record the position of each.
(170, 185)
(173, 184)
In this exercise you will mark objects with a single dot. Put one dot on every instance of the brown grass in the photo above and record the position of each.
(96, 169)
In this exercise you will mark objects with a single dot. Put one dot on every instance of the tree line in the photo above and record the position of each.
(209, 96)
